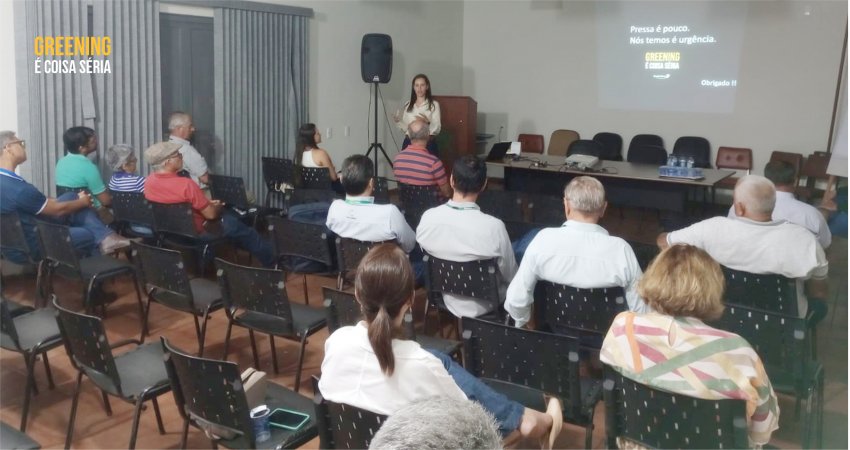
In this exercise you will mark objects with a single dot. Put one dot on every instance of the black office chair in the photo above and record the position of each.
(344, 426)
(295, 242)
(131, 209)
(612, 145)
(645, 139)
(505, 205)
(315, 178)
(415, 200)
(583, 313)
(277, 172)
(381, 191)
(134, 376)
(524, 364)
(768, 292)
(13, 239)
(210, 396)
(585, 147)
(644, 253)
(256, 299)
(647, 154)
(697, 148)
(175, 227)
(654, 418)
(231, 192)
(30, 334)
(478, 279)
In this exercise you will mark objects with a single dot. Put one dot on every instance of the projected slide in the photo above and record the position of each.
(666, 56)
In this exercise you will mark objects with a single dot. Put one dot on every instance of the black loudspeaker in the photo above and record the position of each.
(376, 58)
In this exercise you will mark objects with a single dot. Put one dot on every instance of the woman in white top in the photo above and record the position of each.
(371, 366)
(421, 106)
(308, 153)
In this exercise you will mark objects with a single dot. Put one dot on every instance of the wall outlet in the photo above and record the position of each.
(347, 131)
(329, 132)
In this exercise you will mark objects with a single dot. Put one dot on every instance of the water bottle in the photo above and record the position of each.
(672, 161)
(690, 162)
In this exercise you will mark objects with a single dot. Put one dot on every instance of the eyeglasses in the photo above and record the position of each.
(22, 142)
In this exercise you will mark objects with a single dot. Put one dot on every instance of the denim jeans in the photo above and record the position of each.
(246, 238)
(508, 413)
(521, 244)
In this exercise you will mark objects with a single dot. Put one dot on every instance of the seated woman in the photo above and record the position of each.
(308, 154)
(122, 161)
(370, 366)
(684, 285)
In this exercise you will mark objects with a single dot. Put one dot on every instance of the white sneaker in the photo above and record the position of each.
(112, 243)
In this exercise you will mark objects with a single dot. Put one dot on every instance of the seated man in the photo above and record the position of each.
(459, 231)
(165, 186)
(580, 254)
(414, 165)
(181, 129)
(75, 170)
(358, 217)
(72, 208)
(788, 208)
(752, 242)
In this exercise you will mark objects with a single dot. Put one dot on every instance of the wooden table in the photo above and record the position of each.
(626, 184)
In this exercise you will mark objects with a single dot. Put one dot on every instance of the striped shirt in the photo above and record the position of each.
(685, 356)
(414, 165)
(126, 182)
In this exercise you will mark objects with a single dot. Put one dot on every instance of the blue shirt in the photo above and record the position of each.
(16, 195)
(126, 182)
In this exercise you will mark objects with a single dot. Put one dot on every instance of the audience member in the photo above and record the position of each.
(358, 217)
(308, 154)
(165, 186)
(181, 130)
(684, 287)
(72, 208)
(392, 372)
(459, 231)
(788, 208)
(122, 160)
(580, 254)
(75, 170)
(414, 165)
(438, 423)
(752, 242)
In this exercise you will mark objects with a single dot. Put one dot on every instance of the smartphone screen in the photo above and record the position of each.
(290, 420)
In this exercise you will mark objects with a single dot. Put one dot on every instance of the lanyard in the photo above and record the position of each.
(461, 208)
(360, 201)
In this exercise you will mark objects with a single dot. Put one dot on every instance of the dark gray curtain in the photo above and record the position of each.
(260, 88)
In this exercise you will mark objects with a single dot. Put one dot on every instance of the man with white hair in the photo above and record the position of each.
(753, 242)
(181, 128)
(580, 254)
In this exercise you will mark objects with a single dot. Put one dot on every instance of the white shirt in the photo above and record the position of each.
(360, 218)
(459, 231)
(780, 248)
(307, 159)
(578, 254)
(792, 210)
(433, 116)
(351, 373)
(193, 162)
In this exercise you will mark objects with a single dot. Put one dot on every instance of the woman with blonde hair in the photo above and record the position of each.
(371, 366)
(673, 350)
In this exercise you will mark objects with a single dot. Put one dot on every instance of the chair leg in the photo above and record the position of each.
(300, 360)
(185, 435)
(29, 359)
(203, 334)
(306, 293)
(134, 431)
(158, 416)
(47, 371)
(106, 405)
(588, 436)
(254, 349)
(198, 334)
(70, 434)
(227, 339)
(41, 295)
(87, 298)
(274, 354)
(142, 315)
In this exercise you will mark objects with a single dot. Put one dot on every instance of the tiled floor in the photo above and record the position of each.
(50, 409)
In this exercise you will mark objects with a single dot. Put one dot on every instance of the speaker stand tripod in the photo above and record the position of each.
(376, 146)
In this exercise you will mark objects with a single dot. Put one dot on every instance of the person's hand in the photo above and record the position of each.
(828, 201)
(397, 116)
(423, 118)
(216, 203)
(85, 197)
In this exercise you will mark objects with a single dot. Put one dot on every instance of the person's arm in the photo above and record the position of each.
(195, 164)
(507, 259)
(58, 209)
(765, 417)
(817, 286)
(205, 178)
(404, 234)
(212, 211)
(94, 183)
(633, 274)
(661, 241)
(520, 295)
(446, 190)
(324, 160)
(105, 198)
(434, 127)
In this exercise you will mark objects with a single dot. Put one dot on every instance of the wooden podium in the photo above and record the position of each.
(459, 120)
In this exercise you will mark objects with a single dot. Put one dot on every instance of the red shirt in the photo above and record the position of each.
(169, 188)
(414, 165)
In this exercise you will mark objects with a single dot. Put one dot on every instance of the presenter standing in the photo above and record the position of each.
(421, 106)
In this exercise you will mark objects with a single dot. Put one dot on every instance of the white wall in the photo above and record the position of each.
(535, 72)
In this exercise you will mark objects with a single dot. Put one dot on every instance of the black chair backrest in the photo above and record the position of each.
(381, 191)
(695, 147)
(349, 252)
(342, 308)
(648, 154)
(163, 271)
(542, 361)
(174, 219)
(12, 235)
(305, 240)
(783, 343)
(660, 419)
(257, 290)
(56, 243)
(7, 327)
(546, 209)
(612, 145)
(132, 208)
(506, 205)
(315, 178)
(585, 147)
(208, 389)
(88, 348)
(302, 195)
(644, 253)
(230, 190)
(645, 139)
(568, 310)
(762, 291)
(477, 279)
(415, 200)
(345, 426)
(277, 171)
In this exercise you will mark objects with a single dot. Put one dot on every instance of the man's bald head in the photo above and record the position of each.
(419, 131)
(755, 196)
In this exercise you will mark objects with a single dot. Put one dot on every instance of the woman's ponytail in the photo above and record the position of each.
(381, 337)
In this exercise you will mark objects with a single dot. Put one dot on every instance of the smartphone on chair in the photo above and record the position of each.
(288, 419)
